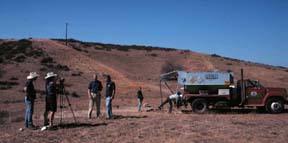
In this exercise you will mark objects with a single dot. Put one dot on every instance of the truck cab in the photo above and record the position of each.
(256, 95)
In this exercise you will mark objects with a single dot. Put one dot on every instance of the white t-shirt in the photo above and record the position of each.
(175, 96)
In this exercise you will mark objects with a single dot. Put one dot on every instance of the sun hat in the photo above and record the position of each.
(50, 74)
(32, 75)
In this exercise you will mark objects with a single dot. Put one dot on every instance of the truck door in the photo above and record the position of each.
(254, 93)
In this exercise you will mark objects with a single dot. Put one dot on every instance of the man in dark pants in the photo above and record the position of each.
(110, 94)
(29, 99)
(94, 95)
(51, 99)
(174, 97)
(140, 98)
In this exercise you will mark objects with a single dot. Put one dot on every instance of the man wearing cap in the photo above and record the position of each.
(29, 99)
(110, 94)
(51, 99)
(94, 95)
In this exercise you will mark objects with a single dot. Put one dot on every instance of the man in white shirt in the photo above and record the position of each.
(174, 97)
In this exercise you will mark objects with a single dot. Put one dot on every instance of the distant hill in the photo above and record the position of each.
(130, 66)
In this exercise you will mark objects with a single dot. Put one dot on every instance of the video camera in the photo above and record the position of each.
(60, 86)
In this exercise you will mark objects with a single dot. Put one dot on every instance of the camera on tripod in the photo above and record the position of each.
(61, 86)
(61, 91)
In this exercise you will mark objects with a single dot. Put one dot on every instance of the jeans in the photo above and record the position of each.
(139, 104)
(29, 112)
(96, 98)
(109, 106)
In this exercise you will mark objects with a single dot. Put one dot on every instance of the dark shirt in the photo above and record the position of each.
(139, 94)
(95, 86)
(51, 89)
(110, 87)
(30, 91)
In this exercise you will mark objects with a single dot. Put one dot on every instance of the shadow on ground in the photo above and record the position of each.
(128, 117)
(78, 125)
(232, 111)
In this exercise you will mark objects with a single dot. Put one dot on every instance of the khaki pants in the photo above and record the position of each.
(96, 99)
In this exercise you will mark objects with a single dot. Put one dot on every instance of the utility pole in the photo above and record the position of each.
(66, 33)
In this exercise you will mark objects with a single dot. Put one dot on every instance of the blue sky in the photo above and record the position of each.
(253, 30)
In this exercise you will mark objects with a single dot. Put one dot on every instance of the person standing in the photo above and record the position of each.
(29, 99)
(94, 95)
(140, 98)
(110, 94)
(51, 99)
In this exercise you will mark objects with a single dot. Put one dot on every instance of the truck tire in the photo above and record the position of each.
(274, 105)
(199, 106)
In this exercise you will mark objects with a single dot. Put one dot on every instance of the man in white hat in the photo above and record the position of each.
(29, 99)
(51, 99)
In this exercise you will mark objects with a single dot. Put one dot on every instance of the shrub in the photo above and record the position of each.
(153, 55)
(171, 66)
(1, 73)
(13, 78)
(62, 67)
(43, 69)
(76, 74)
(47, 60)
(20, 58)
(215, 55)
(4, 115)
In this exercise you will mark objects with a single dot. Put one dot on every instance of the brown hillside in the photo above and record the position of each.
(130, 67)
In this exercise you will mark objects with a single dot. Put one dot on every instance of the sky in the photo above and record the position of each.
(251, 30)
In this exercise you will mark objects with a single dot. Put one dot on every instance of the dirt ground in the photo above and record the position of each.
(130, 126)
(129, 72)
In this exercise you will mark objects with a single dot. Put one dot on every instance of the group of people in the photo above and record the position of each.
(94, 95)
(50, 98)
(51, 90)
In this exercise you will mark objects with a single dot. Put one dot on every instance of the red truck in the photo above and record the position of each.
(204, 90)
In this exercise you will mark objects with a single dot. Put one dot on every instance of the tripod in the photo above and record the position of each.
(61, 98)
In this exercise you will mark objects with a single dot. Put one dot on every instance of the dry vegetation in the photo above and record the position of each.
(130, 67)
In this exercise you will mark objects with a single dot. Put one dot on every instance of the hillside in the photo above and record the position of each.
(130, 67)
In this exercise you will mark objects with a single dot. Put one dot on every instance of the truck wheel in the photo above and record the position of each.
(274, 106)
(199, 106)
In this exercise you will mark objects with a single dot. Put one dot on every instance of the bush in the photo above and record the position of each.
(43, 69)
(1, 73)
(153, 55)
(170, 66)
(47, 60)
(4, 115)
(215, 55)
(76, 74)
(13, 78)
(20, 59)
(62, 67)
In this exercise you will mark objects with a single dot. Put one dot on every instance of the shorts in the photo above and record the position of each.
(51, 104)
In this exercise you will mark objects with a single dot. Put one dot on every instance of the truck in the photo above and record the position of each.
(205, 90)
